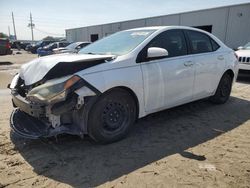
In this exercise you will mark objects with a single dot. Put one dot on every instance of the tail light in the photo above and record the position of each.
(8, 45)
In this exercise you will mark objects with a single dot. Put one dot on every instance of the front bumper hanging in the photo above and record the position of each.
(28, 120)
(32, 120)
(30, 127)
(27, 126)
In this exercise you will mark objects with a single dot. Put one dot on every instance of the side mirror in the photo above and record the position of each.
(240, 48)
(155, 52)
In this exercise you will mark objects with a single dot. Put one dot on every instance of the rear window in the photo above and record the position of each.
(200, 43)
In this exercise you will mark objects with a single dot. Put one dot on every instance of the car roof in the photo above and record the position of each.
(162, 28)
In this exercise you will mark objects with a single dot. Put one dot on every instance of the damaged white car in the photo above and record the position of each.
(104, 88)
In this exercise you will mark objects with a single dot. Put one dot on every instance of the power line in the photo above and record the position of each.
(48, 33)
(41, 18)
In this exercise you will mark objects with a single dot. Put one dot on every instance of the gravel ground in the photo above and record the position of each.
(194, 145)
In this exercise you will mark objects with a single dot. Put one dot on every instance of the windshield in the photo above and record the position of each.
(50, 46)
(247, 46)
(119, 43)
(39, 43)
(73, 46)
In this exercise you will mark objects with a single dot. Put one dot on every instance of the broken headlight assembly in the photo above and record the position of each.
(52, 91)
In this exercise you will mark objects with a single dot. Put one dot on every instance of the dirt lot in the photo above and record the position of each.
(194, 145)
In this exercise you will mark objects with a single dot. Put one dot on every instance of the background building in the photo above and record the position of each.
(231, 24)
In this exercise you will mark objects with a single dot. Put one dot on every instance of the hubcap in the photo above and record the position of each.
(225, 89)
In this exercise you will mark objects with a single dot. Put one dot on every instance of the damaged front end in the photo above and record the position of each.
(52, 107)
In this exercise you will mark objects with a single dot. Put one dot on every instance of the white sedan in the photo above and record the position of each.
(104, 88)
(72, 48)
(243, 54)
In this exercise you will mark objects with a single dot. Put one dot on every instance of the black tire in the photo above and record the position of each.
(112, 116)
(223, 91)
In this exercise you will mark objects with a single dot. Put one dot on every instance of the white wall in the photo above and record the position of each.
(95, 30)
(215, 17)
(132, 24)
(171, 20)
(154, 21)
(238, 31)
(227, 24)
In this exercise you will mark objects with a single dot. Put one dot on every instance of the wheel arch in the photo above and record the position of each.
(131, 92)
(230, 73)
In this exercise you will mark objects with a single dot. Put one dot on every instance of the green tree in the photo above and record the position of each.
(3, 35)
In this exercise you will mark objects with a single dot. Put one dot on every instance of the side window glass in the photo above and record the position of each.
(173, 41)
(200, 43)
(215, 45)
(83, 45)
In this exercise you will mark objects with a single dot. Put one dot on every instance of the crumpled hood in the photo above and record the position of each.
(37, 69)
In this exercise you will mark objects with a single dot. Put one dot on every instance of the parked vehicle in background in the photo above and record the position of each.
(106, 86)
(28, 47)
(39, 44)
(243, 54)
(72, 48)
(24, 44)
(19, 45)
(48, 50)
(5, 47)
(16, 45)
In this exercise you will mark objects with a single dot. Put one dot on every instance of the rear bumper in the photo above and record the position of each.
(5, 51)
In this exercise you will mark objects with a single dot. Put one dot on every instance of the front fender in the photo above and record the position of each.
(129, 77)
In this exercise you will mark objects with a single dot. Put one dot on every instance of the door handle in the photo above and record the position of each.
(220, 57)
(188, 63)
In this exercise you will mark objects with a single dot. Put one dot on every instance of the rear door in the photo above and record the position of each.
(209, 63)
(168, 81)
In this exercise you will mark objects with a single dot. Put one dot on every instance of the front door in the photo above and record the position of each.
(168, 81)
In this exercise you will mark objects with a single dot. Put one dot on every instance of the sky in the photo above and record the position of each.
(52, 17)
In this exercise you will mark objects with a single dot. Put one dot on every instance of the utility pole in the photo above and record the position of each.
(14, 25)
(31, 27)
(9, 30)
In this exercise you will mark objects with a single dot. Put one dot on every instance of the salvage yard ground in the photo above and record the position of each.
(194, 145)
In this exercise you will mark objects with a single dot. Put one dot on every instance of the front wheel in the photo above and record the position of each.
(112, 116)
(223, 91)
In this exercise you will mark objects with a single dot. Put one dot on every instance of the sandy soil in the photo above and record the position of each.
(194, 145)
(9, 65)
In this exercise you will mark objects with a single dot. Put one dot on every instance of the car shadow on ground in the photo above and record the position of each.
(82, 163)
(5, 63)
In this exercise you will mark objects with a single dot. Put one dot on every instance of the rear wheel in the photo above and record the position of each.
(112, 116)
(223, 91)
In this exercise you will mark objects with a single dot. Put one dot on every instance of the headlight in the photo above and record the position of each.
(52, 91)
